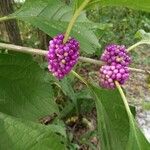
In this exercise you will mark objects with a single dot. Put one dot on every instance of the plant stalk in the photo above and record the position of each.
(90, 60)
(123, 98)
(79, 77)
(6, 18)
(22, 49)
(74, 18)
(139, 70)
(137, 44)
(129, 113)
(41, 52)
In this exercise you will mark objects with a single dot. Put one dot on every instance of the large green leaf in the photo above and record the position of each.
(71, 104)
(133, 4)
(17, 134)
(24, 91)
(115, 129)
(66, 86)
(53, 17)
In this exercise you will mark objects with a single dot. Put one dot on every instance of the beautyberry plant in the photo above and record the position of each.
(28, 99)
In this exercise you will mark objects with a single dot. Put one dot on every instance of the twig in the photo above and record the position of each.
(130, 116)
(5, 18)
(139, 70)
(92, 61)
(23, 49)
(79, 77)
(74, 18)
(123, 98)
(44, 53)
(137, 44)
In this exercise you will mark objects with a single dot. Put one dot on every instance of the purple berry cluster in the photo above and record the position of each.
(62, 56)
(115, 54)
(117, 60)
(109, 74)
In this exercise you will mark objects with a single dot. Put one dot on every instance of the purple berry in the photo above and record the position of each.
(62, 57)
(116, 54)
(109, 74)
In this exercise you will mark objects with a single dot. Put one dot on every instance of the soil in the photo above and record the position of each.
(138, 90)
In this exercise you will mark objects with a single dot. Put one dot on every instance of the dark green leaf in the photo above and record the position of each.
(68, 110)
(17, 134)
(67, 88)
(53, 17)
(24, 90)
(83, 94)
(133, 4)
(115, 129)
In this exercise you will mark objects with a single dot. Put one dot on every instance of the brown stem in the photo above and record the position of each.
(44, 53)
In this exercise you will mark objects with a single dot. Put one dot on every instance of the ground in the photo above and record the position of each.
(138, 90)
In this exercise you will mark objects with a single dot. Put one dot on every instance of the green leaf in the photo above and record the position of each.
(133, 4)
(66, 86)
(76, 3)
(53, 17)
(24, 91)
(137, 140)
(115, 130)
(68, 110)
(85, 101)
(83, 94)
(17, 134)
(141, 34)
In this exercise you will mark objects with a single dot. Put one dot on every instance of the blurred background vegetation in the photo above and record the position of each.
(119, 25)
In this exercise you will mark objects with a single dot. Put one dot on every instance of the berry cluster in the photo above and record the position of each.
(109, 74)
(62, 56)
(115, 54)
(117, 60)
